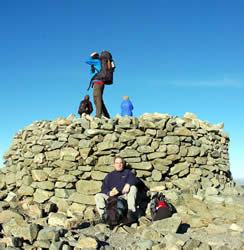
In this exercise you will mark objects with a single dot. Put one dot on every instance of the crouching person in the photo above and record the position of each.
(120, 182)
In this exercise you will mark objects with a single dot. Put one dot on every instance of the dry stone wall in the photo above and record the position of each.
(64, 161)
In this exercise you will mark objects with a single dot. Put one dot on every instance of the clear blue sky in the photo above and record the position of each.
(171, 56)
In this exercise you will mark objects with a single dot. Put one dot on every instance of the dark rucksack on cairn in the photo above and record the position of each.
(107, 69)
(115, 211)
(160, 207)
(84, 107)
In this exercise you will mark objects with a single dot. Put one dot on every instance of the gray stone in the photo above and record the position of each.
(85, 143)
(161, 165)
(145, 244)
(98, 176)
(25, 190)
(171, 140)
(37, 149)
(142, 165)
(39, 175)
(126, 138)
(48, 234)
(144, 140)
(88, 187)
(64, 164)
(53, 155)
(145, 149)
(11, 179)
(42, 195)
(105, 160)
(169, 225)
(8, 214)
(56, 173)
(46, 185)
(178, 168)
(63, 193)
(42, 244)
(108, 145)
(181, 131)
(156, 155)
(67, 178)
(23, 230)
(172, 149)
(56, 219)
(82, 199)
(69, 154)
(141, 173)
(214, 199)
(105, 169)
(87, 243)
(129, 153)
(193, 151)
(156, 175)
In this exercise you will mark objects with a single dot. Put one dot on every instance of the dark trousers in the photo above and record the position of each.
(98, 100)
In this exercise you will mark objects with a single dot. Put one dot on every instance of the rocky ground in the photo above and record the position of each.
(210, 219)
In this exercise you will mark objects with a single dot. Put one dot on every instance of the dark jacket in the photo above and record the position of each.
(88, 104)
(118, 179)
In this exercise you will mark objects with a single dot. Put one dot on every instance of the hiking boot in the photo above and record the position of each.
(131, 216)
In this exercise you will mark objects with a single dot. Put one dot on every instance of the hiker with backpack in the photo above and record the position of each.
(85, 106)
(119, 183)
(126, 106)
(102, 69)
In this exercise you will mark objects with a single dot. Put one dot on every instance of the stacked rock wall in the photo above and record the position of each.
(64, 161)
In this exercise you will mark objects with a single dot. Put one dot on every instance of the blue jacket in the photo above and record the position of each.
(126, 108)
(118, 179)
(97, 65)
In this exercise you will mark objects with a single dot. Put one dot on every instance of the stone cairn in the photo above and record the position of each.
(54, 169)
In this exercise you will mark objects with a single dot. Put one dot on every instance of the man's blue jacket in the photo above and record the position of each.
(118, 179)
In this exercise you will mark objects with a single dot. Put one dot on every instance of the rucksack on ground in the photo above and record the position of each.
(84, 107)
(160, 207)
(115, 211)
(107, 68)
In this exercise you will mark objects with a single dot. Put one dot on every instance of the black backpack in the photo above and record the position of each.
(115, 210)
(84, 107)
(107, 69)
(160, 207)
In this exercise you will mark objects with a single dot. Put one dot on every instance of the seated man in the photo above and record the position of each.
(120, 181)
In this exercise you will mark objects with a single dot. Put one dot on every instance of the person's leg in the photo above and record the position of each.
(100, 199)
(104, 110)
(103, 107)
(97, 97)
(131, 199)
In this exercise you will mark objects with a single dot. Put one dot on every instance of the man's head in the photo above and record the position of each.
(94, 55)
(118, 163)
(87, 97)
(126, 97)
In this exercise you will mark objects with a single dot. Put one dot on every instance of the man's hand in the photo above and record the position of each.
(126, 189)
(113, 192)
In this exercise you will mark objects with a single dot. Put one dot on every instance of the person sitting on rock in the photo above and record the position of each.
(85, 106)
(120, 181)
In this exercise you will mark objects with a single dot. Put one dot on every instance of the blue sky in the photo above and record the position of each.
(171, 56)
